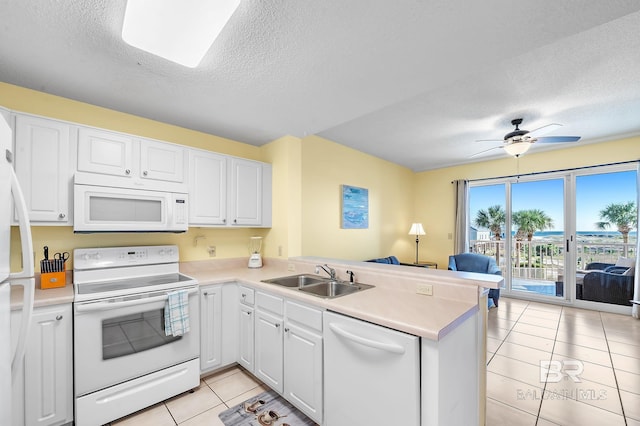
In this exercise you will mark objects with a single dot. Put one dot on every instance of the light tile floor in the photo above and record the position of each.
(601, 350)
(521, 334)
(215, 394)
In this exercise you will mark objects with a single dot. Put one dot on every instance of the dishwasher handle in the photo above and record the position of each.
(101, 306)
(388, 347)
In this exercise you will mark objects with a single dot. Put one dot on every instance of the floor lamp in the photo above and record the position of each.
(417, 230)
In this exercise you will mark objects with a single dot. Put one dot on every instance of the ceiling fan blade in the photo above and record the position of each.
(489, 140)
(544, 130)
(485, 151)
(558, 139)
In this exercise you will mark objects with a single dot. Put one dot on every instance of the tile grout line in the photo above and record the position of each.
(613, 368)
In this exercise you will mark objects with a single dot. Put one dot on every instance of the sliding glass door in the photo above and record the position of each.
(554, 235)
(538, 237)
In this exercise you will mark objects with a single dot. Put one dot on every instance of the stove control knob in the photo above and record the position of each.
(97, 256)
(161, 252)
(171, 252)
(85, 257)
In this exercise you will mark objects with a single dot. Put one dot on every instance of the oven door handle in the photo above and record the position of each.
(101, 306)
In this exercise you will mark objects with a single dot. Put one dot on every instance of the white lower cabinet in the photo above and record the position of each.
(268, 340)
(210, 327)
(218, 326)
(246, 337)
(303, 359)
(43, 394)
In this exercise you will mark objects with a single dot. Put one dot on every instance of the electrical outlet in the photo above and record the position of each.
(279, 250)
(450, 236)
(426, 289)
(291, 267)
(212, 251)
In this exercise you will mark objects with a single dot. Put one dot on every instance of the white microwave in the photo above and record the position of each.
(113, 209)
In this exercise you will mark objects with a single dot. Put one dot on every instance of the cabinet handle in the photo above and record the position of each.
(224, 220)
(61, 216)
(235, 221)
(277, 325)
(205, 293)
(145, 173)
(58, 318)
(286, 330)
(248, 312)
(128, 172)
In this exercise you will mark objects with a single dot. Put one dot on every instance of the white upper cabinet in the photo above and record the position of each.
(161, 161)
(228, 191)
(127, 156)
(42, 166)
(105, 152)
(207, 188)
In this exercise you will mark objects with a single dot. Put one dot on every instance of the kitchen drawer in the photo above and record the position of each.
(268, 302)
(304, 315)
(247, 295)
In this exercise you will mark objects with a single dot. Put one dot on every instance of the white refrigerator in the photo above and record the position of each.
(11, 356)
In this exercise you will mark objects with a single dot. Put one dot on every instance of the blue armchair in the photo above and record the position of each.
(474, 262)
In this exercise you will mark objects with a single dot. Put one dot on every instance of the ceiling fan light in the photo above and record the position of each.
(516, 149)
(180, 31)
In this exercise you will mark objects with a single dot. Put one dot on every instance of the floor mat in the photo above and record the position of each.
(266, 409)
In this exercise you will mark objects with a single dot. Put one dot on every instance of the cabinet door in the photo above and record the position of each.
(303, 370)
(42, 167)
(269, 350)
(210, 327)
(245, 192)
(48, 367)
(105, 152)
(207, 188)
(246, 333)
(161, 161)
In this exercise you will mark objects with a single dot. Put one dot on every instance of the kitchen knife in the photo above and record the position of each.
(46, 252)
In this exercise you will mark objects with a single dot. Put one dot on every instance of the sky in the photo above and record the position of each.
(593, 193)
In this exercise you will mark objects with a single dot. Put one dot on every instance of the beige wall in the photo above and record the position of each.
(435, 194)
(325, 167)
(307, 178)
(229, 242)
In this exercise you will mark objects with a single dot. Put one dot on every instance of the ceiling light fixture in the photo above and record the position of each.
(180, 31)
(516, 149)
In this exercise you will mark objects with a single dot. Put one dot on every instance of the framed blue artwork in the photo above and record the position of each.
(355, 207)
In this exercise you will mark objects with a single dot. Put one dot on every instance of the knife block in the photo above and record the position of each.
(53, 280)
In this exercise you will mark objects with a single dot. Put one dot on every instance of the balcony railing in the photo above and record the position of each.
(544, 259)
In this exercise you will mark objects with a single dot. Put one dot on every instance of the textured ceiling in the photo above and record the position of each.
(415, 82)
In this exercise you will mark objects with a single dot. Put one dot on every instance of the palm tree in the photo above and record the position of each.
(528, 222)
(493, 219)
(623, 215)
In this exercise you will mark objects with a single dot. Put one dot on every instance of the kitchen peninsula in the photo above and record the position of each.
(450, 324)
(239, 314)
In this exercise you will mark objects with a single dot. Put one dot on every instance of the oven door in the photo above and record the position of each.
(121, 338)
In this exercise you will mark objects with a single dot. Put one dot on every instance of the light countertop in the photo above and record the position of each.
(393, 302)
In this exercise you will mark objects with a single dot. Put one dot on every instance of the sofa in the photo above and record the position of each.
(608, 283)
(391, 260)
(475, 262)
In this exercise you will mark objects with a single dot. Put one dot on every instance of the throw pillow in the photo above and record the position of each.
(627, 262)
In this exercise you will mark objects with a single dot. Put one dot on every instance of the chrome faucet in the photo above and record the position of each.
(328, 270)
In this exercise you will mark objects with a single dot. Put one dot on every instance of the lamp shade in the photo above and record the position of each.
(416, 229)
(517, 148)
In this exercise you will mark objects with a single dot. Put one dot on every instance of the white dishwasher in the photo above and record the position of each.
(372, 374)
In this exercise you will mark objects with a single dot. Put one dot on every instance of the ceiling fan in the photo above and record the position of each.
(518, 141)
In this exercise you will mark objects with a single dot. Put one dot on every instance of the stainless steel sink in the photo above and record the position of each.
(300, 280)
(317, 285)
(332, 289)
